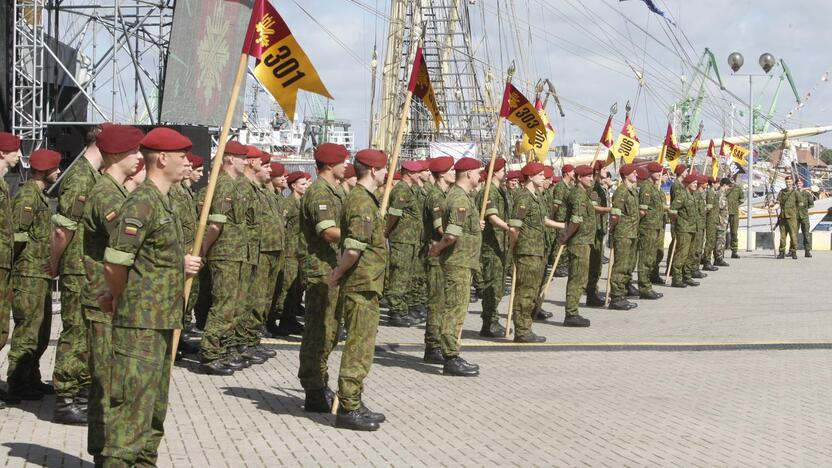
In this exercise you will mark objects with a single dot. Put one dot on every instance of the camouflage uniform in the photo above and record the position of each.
(684, 207)
(435, 278)
(580, 210)
(560, 192)
(805, 201)
(184, 203)
(320, 209)
(148, 241)
(31, 302)
(361, 287)
(460, 218)
(6, 257)
(71, 372)
(625, 206)
(405, 239)
(711, 221)
(101, 212)
(246, 327)
(695, 255)
(419, 295)
(227, 257)
(598, 196)
(650, 231)
(493, 254)
(289, 290)
(529, 257)
(788, 200)
(722, 226)
(735, 199)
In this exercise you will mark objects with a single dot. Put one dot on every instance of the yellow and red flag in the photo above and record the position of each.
(670, 150)
(519, 111)
(694, 147)
(737, 153)
(421, 87)
(714, 160)
(722, 146)
(541, 141)
(606, 140)
(627, 144)
(282, 66)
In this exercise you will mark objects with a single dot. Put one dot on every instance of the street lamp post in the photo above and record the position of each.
(735, 61)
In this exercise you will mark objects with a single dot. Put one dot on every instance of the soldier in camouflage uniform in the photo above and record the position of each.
(579, 236)
(32, 301)
(494, 251)
(711, 221)
(560, 192)
(320, 213)
(624, 229)
(183, 203)
(119, 146)
(360, 273)
(145, 268)
(695, 258)
(9, 157)
(443, 178)
(420, 279)
(683, 212)
(805, 201)
(650, 229)
(788, 199)
(736, 197)
(458, 252)
(722, 223)
(600, 201)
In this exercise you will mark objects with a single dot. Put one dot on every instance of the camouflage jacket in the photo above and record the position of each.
(75, 188)
(712, 207)
(460, 218)
(651, 200)
(598, 195)
(184, 204)
(788, 200)
(228, 208)
(722, 204)
(701, 210)
(493, 238)
(805, 201)
(735, 199)
(685, 208)
(581, 210)
(528, 217)
(559, 195)
(625, 206)
(254, 214)
(406, 202)
(272, 222)
(362, 229)
(320, 209)
(32, 226)
(6, 227)
(289, 208)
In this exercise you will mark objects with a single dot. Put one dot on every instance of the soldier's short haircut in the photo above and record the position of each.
(91, 135)
(148, 154)
(360, 169)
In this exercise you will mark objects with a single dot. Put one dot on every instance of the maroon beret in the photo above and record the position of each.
(164, 139)
(654, 167)
(703, 179)
(294, 176)
(44, 159)
(9, 142)
(265, 159)
(567, 168)
(642, 173)
(626, 169)
(691, 178)
(370, 158)
(117, 139)
(412, 166)
(253, 152)
(466, 164)
(532, 168)
(196, 161)
(548, 171)
(441, 164)
(583, 170)
(499, 164)
(397, 175)
(598, 165)
(235, 148)
(277, 169)
(331, 153)
(556, 179)
(680, 169)
(349, 170)
(513, 175)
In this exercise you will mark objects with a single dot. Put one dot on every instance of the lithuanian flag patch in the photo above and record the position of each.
(131, 230)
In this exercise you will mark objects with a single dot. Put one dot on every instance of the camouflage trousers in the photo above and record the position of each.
(139, 384)
(402, 288)
(710, 242)
(788, 227)
(264, 276)
(289, 291)
(734, 225)
(32, 314)
(227, 298)
(578, 275)
(493, 268)
(5, 305)
(624, 262)
(596, 260)
(681, 254)
(100, 345)
(530, 269)
(436, 303)
(193, 297)
(359, 311)
(419, 294)
(696, 250)
(659, 251)
(71, 372)
(320, 334)
(457, 297)
(203, 297)
(719, 242)
(803, 226)
(647, 258)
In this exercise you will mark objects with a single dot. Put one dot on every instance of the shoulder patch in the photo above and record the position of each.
(133, 222)
(594, 196)
(111, 216)
(322, 208)
(460, 215)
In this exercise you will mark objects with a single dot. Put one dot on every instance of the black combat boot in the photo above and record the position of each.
(251, 355)
(575, 321)
(396, 320)
(530, 338)
(782, 254)
(317, 401)
(793, 254)
(698, 274)
(492, 330)
(433, 356)
(540, 315)
(593, 299)
(264, 351)
(67, 411)
(415, 315)
(709, 267)
(456, 366)
(721, 262)
(632, 290)
(217, 367)
(287, 326)
(734, 254)
(657, 280)
(371, 415)
(678, 284)
(354, 420)
(652, 295)
(808, 254)
(691, 282)
(620, 303)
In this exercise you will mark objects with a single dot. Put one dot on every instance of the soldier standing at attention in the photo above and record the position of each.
(722, 224)
(788, 199)
(805, 201)
(683, 214)
(71, 375)
(624, 218)
(655, 278)
(32, 301)
(600, 201)
(287, 307)
(226, 248)
(695, 258)
(494, 251)
(560, 192)
(458, 251)
(443, 178)
(320, 213)
(736, 197)
(119, 147)
(579, 236)
(359, 276)
(650, 229)
(9, 157)
(189, 199)
(711, 221)
(404, 231)
(185, 207)
(529, 219)
(145, 265)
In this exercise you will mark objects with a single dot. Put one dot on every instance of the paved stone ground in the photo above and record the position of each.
(608, 403)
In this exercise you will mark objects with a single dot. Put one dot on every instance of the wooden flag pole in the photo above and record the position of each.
(216, 167)
(609, 276)
(497, 136)
(511, 297)
(552, 271)
(670, 260)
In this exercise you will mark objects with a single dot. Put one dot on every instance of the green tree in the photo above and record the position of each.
(826, 156)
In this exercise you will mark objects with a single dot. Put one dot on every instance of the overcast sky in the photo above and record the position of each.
(581, 45)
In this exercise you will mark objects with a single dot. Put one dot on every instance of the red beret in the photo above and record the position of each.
(164, 139)
(412, 166)
(532, 168)
(567, 168)
(703, 179)
(642, 173)
(466, 164)
(9, 142)
(483, 175)
(44, 159)
(513, 175)
(548, 171)
(626, 169)
(654, 167)
(556, 179)
(253, 152)
(277, 169)
(680, 169)
(294, 176)
(598, 165)
(117, 139)
(331, 153)
(441, 164)
(583, 170)
(265, 159)
(236, 148)
(370, 158)
(397, 175)
(196, 161)
(499, 164)
(691, 178)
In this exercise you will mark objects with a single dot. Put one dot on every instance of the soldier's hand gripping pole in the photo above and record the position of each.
(552, 272)
(511, 297)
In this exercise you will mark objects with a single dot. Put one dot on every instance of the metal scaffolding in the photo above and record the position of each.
(28, 106)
